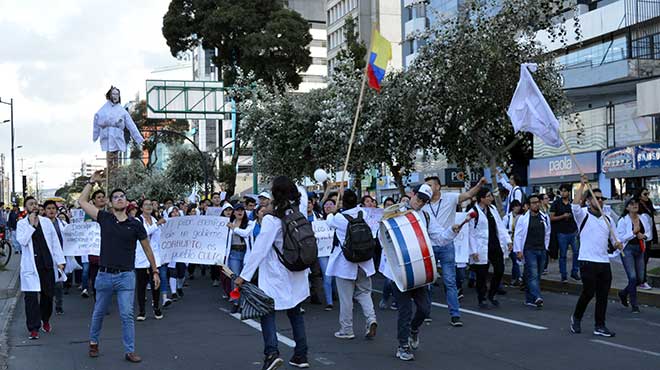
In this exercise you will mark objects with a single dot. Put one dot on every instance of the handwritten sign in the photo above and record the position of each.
(82, 239)
(77, 215)
(372, 217)
(461, 243)
(324, 236)
(214, 211)
(195, 239)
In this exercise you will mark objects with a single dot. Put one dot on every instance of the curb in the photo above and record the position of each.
(643, 297)
(8, 299)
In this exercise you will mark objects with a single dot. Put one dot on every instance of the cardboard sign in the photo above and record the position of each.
(372, 217)
(202, 240)
(82, 239)
(214, 211)
(324, 236)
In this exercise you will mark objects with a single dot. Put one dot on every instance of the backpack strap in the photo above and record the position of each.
(584, 222)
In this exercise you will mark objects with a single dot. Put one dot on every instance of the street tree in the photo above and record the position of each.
(355, 48)
(186, 169)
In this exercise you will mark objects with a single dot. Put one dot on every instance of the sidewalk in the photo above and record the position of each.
(552, 280)
(9, 290)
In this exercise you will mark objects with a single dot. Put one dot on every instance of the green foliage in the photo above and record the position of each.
(355, 48)
(256, 35)
(185, 168)
(143, 123)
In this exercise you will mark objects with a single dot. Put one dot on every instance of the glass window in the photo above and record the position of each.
(595, 55)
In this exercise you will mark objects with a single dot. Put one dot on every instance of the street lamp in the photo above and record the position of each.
(13, 164)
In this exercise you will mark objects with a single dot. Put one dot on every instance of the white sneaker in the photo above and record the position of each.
(341, 335)
(645, 286)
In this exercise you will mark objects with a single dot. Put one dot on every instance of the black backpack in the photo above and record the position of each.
(359, 245)
(299, 250)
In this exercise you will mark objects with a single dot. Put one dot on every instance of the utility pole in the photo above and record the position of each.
(13, 165)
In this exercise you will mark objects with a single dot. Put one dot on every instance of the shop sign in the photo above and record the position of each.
(457, 177)
(619, 159)
(647, 156)
(563, 165)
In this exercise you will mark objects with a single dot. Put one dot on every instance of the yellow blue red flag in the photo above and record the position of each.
(381, 53)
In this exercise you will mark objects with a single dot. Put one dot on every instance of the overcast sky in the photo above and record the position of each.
(57, 60)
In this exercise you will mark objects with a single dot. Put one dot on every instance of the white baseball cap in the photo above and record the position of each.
(265, 194)
(424, 192)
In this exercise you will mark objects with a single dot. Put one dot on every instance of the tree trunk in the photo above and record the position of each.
(396, 172)
(358, 184)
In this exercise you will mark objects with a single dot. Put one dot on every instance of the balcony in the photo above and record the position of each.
(415, 25)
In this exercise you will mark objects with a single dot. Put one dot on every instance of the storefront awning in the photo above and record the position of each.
(642, 172)
(561, 179)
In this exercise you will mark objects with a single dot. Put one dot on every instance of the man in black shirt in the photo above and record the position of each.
(119, 236)
(564, 225)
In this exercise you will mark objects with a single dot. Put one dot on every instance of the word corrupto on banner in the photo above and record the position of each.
(202, 240)
(81, 239)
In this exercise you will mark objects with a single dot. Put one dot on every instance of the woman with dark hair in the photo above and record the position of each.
(176, 270)
(329, 207)
(388, 202)
(241, 243)
(288, 288)
(143, 275)
(633, 230)
(646, 208)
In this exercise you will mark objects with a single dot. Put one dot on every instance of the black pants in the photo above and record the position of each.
(142, 278)
(596, 280)
(39, 305)
(406, 321)
(215, 273)
(316, 284)
(496, 259)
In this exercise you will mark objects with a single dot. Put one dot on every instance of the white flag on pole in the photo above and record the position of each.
(530, 112)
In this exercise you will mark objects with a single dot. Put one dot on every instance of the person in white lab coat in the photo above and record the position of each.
(143, 276)
(42, 263)
(51, 213)
(489, 243)
(353, 279)
(287, 288)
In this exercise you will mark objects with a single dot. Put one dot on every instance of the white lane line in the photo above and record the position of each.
(487, 316)
(284, 340)
(621, 346)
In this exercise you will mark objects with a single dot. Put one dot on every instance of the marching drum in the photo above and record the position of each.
(408, 249)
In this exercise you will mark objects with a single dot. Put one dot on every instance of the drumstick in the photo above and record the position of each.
(470, 216)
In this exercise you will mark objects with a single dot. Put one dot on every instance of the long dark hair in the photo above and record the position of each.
(285, 195)
(631, 200)
(645, 206)
(244, 221)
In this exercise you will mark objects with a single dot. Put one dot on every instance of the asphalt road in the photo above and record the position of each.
(199, 333)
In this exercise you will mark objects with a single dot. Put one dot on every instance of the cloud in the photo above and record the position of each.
(62, 57)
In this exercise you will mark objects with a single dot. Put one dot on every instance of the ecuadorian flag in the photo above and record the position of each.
(381, 53)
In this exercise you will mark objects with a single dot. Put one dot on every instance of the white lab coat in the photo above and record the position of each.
(338, 265)
(141, 260)
(522, 226)
(479, 235)
(29, 273)
(109, 124)
(287, 288)
(624, 229)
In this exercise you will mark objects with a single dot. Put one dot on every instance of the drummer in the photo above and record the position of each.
(408, 326)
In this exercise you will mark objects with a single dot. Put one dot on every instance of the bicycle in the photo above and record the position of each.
(5, 248)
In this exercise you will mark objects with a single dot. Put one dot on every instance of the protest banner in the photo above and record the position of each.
(214, 211)
(77, 215)
(82, 239)
(372, 217)
(195, 239)
(324, 236)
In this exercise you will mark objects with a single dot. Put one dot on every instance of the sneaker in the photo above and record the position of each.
(371, 331)
(46, 328)
(483, 304)
(59, 311)
(328, 308)
(84, 293)
(494, 302)
(564, 280)
(603, 332)
(341, 335)
(576, 326)
(404, 353)
(141, 316)
(158, 314)
(575, 276)
(645, 286)
(93, 350)
(382, 304)
(234, 308)
(272, 362)
(623, 297)
(133, 357)
(216, 283)
(413, 341)
(299, 362)
(394, 306)
(635, 309)
(167, 302)
(530, 304)
(456, 321)
(460, 294)
(428, 320)
(539, 302)
(545, 272)
(516, 283)
(175, 297)
(34, 334)
(180, 292)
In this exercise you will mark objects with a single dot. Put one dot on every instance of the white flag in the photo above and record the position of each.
(530, 112)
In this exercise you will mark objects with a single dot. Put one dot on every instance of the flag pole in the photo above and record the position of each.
(355, 120)
(591, 192)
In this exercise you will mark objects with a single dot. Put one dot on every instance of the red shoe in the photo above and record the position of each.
(46, 327)
(34, 334)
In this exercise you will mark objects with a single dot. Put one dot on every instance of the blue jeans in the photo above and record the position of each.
(269, 332)
(633, 262)
(85, 275)
(563, 240)
(164, 281)
(405, 320)
(124, 285)
(515, 268)
(534, 261)
(327, 280)
(235, 263)
(445, 256)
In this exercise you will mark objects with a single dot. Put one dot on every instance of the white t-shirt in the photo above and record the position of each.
(444, 211)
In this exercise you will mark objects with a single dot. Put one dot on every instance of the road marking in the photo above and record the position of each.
(487, 316)
(283, 339)
(621, 346)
